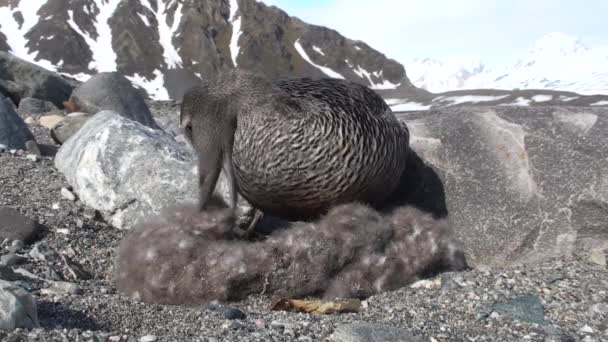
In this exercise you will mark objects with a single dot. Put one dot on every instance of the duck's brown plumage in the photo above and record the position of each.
(296, 147)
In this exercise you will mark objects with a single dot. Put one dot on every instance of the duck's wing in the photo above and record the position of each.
(336, 94)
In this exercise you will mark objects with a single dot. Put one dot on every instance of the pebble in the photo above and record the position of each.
(598, 256)
(260, 323)
(62, 288)
(67, 194)
(32, 157)
(587, 329)
(148, 338)
(234, 313)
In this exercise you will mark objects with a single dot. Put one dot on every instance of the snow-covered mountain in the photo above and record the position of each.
(165, 46)
(556, 61)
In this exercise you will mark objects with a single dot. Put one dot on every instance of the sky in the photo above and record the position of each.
(494, 31)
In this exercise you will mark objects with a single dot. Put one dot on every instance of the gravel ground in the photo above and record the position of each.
(558, 300)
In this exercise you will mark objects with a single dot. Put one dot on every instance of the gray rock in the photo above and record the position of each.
(17, 308)
(62, 288)
(24, 79)
(366, 332)
(68, 127)
(15, 226)
(524, 308)
(14, 133)
(32, 148)
(112, 91)
(29, 106)
(521, 184)
(129, 171)
(11, 259)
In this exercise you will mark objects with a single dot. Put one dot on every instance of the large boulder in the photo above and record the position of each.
(112, 91)
(14, 133)
(521, 184)
(130, 171)
(20, 79)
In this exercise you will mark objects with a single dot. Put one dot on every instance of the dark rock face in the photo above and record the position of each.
(14, 133)
(112, 91)
(522, 184)
(151, 39)
(20, 79)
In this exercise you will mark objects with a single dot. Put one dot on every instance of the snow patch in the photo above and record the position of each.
(154, 87)
(366, 74)
(471, 98)
(166, 32)
(580, 122)
(15, 34)
(409, 106)
(568, 98)
(236, 31)
(318, 50)
(327, 71)
(600, 103)
(542, 98)
(520, 101)
(144, 19)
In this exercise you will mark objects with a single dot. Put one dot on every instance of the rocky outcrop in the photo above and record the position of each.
(14, 133)
(148, 40)
(20, 79)
(521, 184)
(112, 91)
(129, 171)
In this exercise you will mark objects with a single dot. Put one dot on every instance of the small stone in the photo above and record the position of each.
(114, 338)
(598, 256)
(64, 231)
(260, 323)
(50, 121)
(587, 329)
(231, 325)
(213, 339)
(32, 148)
(67, 194)
(30, 120)
(32, 157)
(234, 313)
(148, 338)
(55, 206)
(79, 223)
(599, 308)
(62, 288)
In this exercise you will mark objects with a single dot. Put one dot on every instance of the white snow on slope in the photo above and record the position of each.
(542, 98)
(15, 34)
(600, 103)
(556, 61)
(236, 31)
(409, 106)
(155, 87)
(166, 31)
(469, 98)
(103, 58)
(366, 74)
(318, 50)
(327, 71)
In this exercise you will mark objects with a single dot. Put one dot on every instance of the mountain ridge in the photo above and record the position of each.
(151, 41)
(556, 61)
